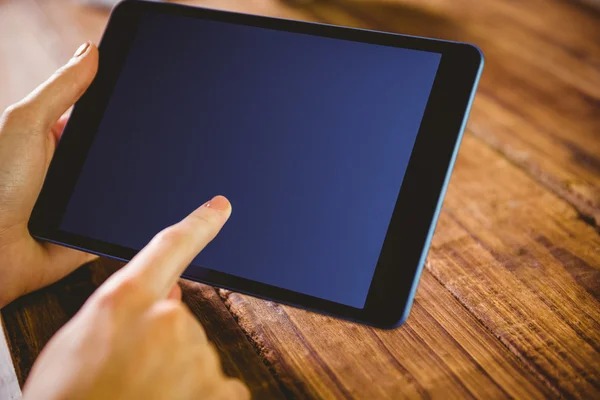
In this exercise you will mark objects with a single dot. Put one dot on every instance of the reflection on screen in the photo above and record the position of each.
(309, 138)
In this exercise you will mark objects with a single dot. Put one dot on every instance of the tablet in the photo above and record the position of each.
(334, 146)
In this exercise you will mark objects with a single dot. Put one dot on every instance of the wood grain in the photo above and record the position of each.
(442, 352)
(33, 319)
(500, 243)
(535, 293)
(522, 259)
(238, 356)
(508, 306)
(538, 101)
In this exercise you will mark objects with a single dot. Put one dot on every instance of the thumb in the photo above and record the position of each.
(26, 147)
(52, 98)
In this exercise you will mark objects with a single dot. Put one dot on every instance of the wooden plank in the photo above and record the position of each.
(238, 356)
(521, 260)
(32, 320)
(514, 255)
(442, 352)
(512, 276)
(542, 80)
(529, 263)
(535, 147)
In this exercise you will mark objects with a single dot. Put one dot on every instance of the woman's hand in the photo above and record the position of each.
(134, 339)
(29, 132)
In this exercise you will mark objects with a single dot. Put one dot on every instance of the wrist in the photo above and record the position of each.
(13, 271)
(8, 292)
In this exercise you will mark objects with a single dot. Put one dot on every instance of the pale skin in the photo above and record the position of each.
(133, 338)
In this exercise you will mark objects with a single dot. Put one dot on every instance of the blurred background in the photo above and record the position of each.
(543, 53)
(37, 36)
(538, 102)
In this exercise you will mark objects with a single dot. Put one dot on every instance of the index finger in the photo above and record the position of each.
(158, 265)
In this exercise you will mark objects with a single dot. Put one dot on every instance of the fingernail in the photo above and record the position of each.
(219, 203)
(81, 50)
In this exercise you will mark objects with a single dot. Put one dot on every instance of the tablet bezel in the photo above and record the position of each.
(415, 215)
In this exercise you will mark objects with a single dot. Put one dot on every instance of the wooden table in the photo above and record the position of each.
(509, 304)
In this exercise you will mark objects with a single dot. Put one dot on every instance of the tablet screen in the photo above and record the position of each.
(309, 137)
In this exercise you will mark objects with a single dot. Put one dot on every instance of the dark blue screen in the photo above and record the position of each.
(309, 137)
